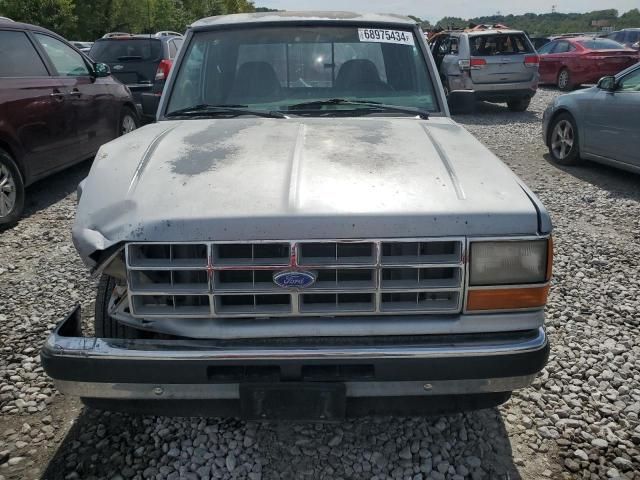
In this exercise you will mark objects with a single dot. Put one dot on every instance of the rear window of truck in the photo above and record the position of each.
(499, 44)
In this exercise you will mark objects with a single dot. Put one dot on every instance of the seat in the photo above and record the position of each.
(359, 75)
(255, 82)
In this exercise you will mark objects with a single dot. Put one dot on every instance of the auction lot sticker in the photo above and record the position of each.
(379, 35)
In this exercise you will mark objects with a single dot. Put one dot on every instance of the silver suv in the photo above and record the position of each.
(498, 65)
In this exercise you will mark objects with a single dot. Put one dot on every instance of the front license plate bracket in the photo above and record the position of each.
(323, 402)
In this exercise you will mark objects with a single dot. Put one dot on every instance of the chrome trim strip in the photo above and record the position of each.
(99, 348)
(230, 391)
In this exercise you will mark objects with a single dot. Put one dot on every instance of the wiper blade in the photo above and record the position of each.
(366, 103)
(210, 110)
(129, 57)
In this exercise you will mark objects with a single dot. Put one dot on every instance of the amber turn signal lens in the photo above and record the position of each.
(507, 298)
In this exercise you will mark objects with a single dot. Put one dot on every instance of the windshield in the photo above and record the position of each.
(275, 68)
(120, 49)
(601, 44)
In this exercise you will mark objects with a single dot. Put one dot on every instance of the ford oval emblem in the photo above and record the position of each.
(294, 279)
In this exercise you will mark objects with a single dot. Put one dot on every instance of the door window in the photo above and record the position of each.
(172, 49)
(562, 47)
(66, 60)
(19, 57)
(548, 48)
(631, 82)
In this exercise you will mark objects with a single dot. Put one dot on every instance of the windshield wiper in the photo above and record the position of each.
(366, 103)
(206, 110)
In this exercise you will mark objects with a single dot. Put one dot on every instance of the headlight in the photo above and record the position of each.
(509, 275)
(508, 263)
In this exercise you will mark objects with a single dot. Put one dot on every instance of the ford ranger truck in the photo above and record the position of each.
(305, 234)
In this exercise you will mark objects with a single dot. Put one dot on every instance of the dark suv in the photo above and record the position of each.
(56, 109)
(629, 37)
(141, 62)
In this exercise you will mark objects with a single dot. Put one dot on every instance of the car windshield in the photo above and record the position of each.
(114, 50)
(308, 68)
(601, 44)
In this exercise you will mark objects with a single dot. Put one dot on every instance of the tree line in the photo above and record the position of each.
(90, 19)
(546, 23)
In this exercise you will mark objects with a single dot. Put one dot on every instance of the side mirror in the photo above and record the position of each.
(150, 104)
(608, 84)
(461, 101)
(101, 70)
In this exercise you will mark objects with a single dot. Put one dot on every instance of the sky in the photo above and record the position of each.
(435, 10)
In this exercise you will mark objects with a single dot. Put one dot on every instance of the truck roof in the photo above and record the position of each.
(302, 17)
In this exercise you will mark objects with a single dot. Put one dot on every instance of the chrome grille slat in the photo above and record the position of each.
(409, 276)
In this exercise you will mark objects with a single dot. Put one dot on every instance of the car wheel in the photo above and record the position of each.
(128, 121)
(11, 190)
(445, 86)
(564, 80)
(563, 140)
(519, 105)
(110, 291)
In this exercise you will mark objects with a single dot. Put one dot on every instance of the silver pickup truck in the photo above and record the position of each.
(305, 233)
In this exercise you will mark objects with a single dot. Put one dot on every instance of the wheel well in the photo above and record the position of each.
(131, 107)
(7, 148)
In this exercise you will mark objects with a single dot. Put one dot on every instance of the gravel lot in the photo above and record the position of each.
(579, 420)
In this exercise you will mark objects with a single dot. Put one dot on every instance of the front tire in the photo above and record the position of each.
(105, 325)
(563, 140)
(519, 104)
(11, 190)
(128, 121)
(564, 80)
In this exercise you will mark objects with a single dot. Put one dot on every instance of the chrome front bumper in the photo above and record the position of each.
(368, 367)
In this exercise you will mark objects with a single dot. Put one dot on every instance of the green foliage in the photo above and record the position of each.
(551, 23)
(54, 14)
(90, 19)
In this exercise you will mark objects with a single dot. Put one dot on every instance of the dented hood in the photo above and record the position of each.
(299, 178)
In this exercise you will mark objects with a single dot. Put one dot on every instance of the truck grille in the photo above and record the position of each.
(205, 280)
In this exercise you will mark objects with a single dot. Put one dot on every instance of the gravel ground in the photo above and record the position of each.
(579, 420)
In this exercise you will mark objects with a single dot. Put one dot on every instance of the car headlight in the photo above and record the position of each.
(508, 263)
(509, 275)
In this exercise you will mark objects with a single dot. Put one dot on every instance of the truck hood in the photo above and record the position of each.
(299, 178)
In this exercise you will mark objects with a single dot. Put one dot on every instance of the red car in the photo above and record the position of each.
(57, 107)
(570, 62)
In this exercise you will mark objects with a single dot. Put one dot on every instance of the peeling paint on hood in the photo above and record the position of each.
(298, 178)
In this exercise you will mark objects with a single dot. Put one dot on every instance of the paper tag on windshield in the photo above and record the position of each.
(379, 35)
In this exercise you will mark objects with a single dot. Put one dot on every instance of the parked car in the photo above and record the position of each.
(629, 37)
(601, 123)
(305, 233)
(168, 33)
(141, 62)
(499, 65)
(57, 108)
(116, 34)
(84, 47)
(570, 62)
(539, 42)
